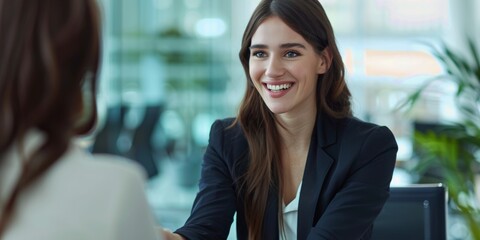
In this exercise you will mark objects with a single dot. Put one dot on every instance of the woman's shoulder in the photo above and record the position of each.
(361, 125)
(105, 165)
(227, 138)
(225, 124)
(227, 128)
(356, 128)
(113, 163)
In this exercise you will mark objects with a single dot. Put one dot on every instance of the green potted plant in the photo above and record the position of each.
(454, 151)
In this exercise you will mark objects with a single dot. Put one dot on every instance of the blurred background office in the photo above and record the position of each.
(170, 68)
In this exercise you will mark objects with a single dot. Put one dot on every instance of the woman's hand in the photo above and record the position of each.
(168, 235)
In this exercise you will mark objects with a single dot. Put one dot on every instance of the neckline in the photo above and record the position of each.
(293, 205)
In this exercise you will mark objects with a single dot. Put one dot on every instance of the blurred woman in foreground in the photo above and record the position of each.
(49, 187)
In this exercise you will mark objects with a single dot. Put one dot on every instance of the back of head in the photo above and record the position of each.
(47, 48)
(49, 56)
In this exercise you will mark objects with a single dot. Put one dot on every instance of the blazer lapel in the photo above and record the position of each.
(316, 169)
(270, 221)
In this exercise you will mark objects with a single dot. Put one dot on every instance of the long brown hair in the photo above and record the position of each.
(49, 56)
(308, 18)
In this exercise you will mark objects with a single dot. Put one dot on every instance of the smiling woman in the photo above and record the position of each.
(284, 69)
(294, 163)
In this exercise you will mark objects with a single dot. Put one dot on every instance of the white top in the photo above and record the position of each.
(81, 197)
(290, 217)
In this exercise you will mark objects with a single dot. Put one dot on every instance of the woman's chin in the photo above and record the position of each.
(278, 109)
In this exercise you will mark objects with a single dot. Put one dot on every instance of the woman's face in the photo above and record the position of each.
(284, 68)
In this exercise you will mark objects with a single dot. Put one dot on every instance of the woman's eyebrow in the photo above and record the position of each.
(284, 45)
(258, 46)
(292, 45)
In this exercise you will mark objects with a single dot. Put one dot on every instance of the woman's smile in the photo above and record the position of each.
(277, 90)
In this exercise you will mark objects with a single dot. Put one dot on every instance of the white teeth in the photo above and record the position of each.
(279, 87)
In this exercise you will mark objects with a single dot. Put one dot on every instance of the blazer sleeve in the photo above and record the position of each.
(215, 203)
(365, 189)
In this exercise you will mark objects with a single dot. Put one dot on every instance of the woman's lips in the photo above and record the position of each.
(277, 90)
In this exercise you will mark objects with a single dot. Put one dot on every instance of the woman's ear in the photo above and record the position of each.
(325, 61)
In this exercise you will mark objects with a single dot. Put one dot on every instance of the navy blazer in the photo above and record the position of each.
(345, 184)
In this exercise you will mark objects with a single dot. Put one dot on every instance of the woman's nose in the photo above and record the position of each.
(275, 68)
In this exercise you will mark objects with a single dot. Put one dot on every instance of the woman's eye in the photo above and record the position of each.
(259, 54)
(291, 54)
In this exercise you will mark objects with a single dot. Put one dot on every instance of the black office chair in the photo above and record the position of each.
(415, 212)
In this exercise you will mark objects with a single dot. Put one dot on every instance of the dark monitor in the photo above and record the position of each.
(416, 212)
